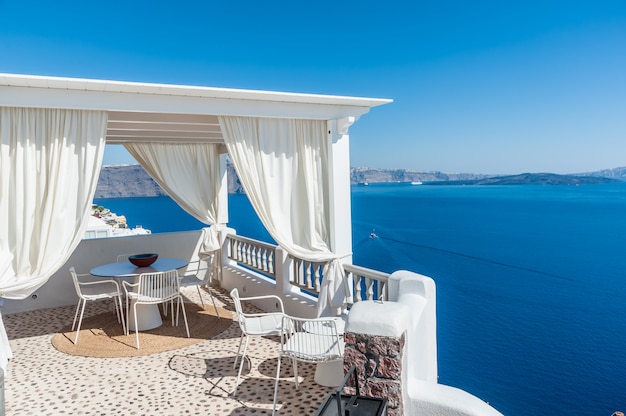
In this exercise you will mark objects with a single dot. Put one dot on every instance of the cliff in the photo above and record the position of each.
(373, 175)
(128, 181)
(133, 181)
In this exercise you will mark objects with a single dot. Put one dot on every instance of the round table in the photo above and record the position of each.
(148, 316)
(127, 269)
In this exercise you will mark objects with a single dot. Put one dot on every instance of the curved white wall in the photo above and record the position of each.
(411, 310)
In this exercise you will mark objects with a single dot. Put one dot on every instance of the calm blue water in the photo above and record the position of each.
(531, 282)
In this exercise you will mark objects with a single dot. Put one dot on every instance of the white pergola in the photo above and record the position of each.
(149, 117)
(142, 112)
(162, 113)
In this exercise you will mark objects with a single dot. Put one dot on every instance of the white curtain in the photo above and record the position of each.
(50, 160)
(190, 174)
(283, 165)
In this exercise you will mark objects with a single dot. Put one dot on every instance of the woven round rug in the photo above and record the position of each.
(103, 337)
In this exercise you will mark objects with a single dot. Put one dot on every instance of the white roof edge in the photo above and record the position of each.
(80, 84)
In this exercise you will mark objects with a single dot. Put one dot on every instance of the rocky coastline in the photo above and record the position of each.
(127, 181)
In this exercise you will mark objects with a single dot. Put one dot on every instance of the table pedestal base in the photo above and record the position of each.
(148, 317)
(330, 373)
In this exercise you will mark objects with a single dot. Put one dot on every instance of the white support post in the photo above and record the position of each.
(223, 194)
(283, 264)
(339, 187)
(222, 217)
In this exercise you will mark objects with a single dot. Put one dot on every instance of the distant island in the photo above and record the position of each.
(531, 179)
(374, 175)
(128, 181)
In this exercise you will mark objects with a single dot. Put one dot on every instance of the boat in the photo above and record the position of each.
(416, 183)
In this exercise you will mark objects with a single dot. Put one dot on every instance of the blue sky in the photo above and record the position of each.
(483, 86)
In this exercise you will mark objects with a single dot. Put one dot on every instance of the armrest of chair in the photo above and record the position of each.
(97, 282)
(262, 314)
(195, 268)
(126, 285)
(265, 297)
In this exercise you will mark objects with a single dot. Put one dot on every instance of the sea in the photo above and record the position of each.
(531, 281)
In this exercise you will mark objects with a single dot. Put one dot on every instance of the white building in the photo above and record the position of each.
(291, 153)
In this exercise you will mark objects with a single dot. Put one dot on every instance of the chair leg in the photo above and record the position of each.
(178, 306)
(276, 387)
(208, 289)
(212, 300)
(243, 358)
(127, 332)
(238, 349)
(80, 320)
(184, 314)
(200, 294)
(172, 310)
(136, 326)
(80, 300)
(295, 372)
(118, 311)
(121, 309)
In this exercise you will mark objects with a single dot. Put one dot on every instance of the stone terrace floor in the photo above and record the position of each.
(196, 380)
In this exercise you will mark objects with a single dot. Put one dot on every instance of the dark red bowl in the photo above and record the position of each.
(143, 260)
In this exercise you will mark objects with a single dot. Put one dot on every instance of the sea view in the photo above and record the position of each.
(530, 281)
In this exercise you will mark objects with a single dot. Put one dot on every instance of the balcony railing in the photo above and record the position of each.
(366, 284)
(283, 274)
(306, 275)
(252, 254)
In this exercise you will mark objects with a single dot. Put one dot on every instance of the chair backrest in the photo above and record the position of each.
(234, 294)
(122, 257)
(75, 280)
(203, 268)
(311, 340)
(157, 287)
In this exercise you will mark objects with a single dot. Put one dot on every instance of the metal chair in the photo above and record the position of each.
(95, 290)
(121, 258)
(151, 289)
(201, 277)
(308, 340)
(255, 324)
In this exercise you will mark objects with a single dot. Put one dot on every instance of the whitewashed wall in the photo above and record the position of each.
(59, 290)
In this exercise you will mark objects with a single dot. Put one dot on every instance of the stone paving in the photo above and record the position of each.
(194, 380)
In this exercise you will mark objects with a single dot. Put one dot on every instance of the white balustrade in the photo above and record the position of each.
(251, 253)
(366, 284)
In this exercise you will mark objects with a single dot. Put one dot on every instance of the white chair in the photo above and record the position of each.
(121, 258)
(255, 324)
(200, 277)
(95, 290)
(152, 289)
(308, 340)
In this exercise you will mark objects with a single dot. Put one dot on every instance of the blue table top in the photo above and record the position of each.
(127, 269)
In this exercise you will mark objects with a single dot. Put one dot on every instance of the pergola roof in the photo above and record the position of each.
(172, 113)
